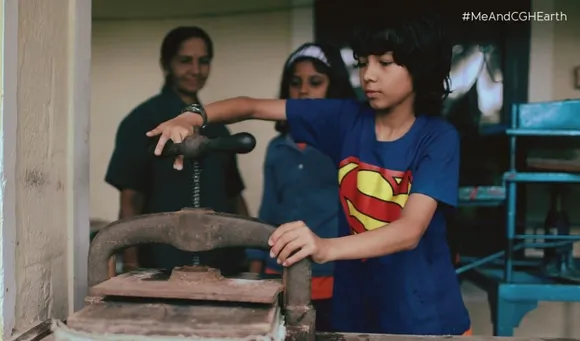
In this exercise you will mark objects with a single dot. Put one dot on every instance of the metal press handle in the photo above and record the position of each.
(198, 146)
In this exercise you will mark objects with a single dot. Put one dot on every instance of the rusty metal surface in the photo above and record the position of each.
(189, 283)
(298, 310)
(162, 319)
(191, 230)
(198, 230)
(379, 337)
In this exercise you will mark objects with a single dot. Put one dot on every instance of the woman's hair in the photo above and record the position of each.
(326, 60)
(419, 43)
(172, 43)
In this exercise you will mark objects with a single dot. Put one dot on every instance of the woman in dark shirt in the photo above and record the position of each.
(300, 182)
(148, 184)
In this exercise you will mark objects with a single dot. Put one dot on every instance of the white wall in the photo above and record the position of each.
(555, 47)
(566, 50)
(250, 49)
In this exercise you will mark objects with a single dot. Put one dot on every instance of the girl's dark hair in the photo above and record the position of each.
(419, 43)
(173, 40)
(339, 80)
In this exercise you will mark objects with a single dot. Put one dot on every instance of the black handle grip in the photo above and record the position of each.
(198, 146)
(172, 149)
(191, 147)
(240, 143)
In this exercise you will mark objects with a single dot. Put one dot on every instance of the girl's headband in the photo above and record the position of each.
(311, 51)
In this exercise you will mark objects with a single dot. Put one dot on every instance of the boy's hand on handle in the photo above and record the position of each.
(175, 130)
(292, 242)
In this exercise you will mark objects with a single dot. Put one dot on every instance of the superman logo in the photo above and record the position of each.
(371, 196)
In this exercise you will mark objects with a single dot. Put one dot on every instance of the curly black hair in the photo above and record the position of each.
(419, 42)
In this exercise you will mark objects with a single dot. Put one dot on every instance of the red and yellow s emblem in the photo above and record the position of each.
(371, 196)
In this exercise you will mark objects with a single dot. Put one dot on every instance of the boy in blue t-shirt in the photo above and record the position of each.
(398, 170)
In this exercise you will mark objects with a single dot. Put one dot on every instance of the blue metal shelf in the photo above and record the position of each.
(541, 132)
(541, 177)
(480, 196)
(515, 286)
(558, 116)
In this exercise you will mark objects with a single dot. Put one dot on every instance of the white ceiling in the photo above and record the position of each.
(149, 9)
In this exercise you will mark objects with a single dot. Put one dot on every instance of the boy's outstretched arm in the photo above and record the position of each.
(319, 123)
(226, 111)
(242, 108)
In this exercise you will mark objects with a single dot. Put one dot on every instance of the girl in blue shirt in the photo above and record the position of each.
(300, 181)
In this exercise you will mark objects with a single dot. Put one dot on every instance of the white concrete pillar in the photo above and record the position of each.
(44, 199)
(80, 12)
(8, 124)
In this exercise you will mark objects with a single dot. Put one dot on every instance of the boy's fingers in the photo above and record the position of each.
(282, 242)
(277, 233)
(176, 137)
(161, 144)
(178, 163)
(298, 256)
(291, 247)
(283, 229)
(154, 132)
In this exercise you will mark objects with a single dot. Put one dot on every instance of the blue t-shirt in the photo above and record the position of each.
(412, 292)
